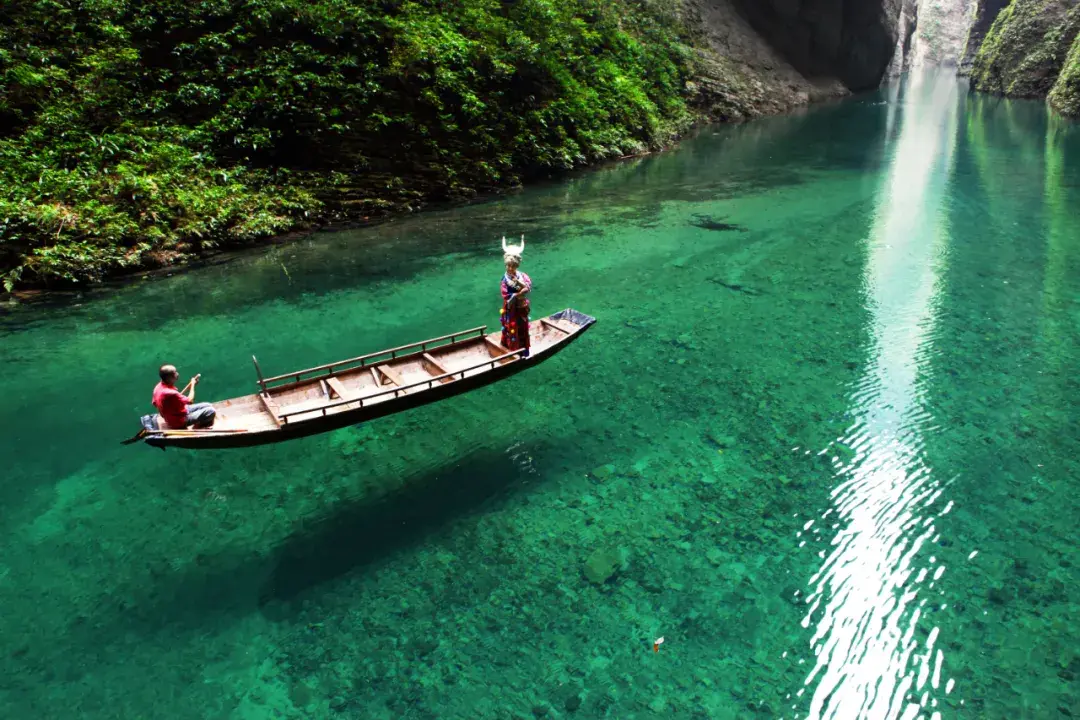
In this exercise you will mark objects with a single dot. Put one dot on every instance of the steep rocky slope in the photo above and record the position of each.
(754, 57)
(905, 37)
(942, 32)
(1031, 51)
(984, 14)
(1065, 95)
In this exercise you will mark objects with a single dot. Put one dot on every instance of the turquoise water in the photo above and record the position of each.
(828, 454)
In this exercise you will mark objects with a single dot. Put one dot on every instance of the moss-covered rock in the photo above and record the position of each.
(1065, 96)
(984, 13)
(1025, 49)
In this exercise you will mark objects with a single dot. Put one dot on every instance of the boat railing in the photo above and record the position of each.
(370, 359)
(430, 382)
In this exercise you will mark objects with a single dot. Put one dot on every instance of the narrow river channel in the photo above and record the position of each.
(822, 440)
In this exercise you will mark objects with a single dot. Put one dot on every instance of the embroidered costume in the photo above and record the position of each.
(515, 310)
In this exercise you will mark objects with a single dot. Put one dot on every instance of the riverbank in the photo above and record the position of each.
(148, 138)
(184, 258)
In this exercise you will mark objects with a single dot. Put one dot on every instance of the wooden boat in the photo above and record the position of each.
(333, 396)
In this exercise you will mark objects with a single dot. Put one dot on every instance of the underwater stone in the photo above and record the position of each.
(300, 695)
(603, 472)
(603, 564)
(573, 703)
(724, 441)
(422, 647)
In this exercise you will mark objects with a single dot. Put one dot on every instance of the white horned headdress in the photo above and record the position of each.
(513, 252)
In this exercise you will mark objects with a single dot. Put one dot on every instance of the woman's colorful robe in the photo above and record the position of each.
(515, 315)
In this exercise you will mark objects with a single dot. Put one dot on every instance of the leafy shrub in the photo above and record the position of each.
(135, 132)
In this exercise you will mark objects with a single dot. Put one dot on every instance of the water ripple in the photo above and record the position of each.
(874, 654)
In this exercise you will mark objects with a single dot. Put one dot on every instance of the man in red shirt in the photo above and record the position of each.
(177, 409)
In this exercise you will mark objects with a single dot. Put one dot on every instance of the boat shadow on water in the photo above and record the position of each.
(361, 533)
(214, 590)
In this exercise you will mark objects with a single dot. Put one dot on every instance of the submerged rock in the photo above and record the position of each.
(603, 472)
(605, 563)
(719, 439)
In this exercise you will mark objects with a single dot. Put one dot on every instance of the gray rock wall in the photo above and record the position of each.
(850, 40)
(756, 57)
(941, 33)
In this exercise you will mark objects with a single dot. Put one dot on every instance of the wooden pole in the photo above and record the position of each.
(262, 383)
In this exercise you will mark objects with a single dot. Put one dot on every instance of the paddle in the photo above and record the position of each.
(138, 436)
(183, 433)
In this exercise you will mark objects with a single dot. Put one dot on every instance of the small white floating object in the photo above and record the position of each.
(656, 644)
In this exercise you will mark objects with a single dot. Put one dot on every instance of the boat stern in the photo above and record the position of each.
(574, 317)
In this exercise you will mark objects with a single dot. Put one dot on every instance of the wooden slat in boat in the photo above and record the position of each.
(339, 389)
(435, 368)
(390, 375)
(271, 408)
(336, 395)
(557, 326)
(371, 359)
(495, 349)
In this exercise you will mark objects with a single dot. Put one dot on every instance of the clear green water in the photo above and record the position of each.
(832, 459)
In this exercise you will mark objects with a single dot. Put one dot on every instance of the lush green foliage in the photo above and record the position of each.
(1026, 48)
(1066, 93)
(136, 131)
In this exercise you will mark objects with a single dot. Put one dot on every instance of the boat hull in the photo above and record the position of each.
(209, 440)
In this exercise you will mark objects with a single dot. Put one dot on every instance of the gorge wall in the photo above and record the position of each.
(943, 29)
(1029, 49)
(754, 57)
(984, 14)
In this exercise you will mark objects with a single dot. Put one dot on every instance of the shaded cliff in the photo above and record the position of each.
(1029, 52)
(850, 40)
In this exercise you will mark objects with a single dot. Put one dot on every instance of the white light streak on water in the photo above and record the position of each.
(864, 604)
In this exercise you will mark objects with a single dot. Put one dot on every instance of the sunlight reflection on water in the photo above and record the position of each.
(869, 595)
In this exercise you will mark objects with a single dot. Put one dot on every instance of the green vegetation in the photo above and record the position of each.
(1026, 48)
(1065, 96)
(137, 132)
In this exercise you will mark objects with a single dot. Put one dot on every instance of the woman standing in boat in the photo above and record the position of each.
(515, 293)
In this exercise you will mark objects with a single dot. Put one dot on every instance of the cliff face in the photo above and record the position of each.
(755, 57)
(984, 14)
(943, 29)
(1065, 95)
(901, 59)
(850, 40)
(1029, 51)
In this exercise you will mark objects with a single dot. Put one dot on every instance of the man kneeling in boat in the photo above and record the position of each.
(177, 409)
